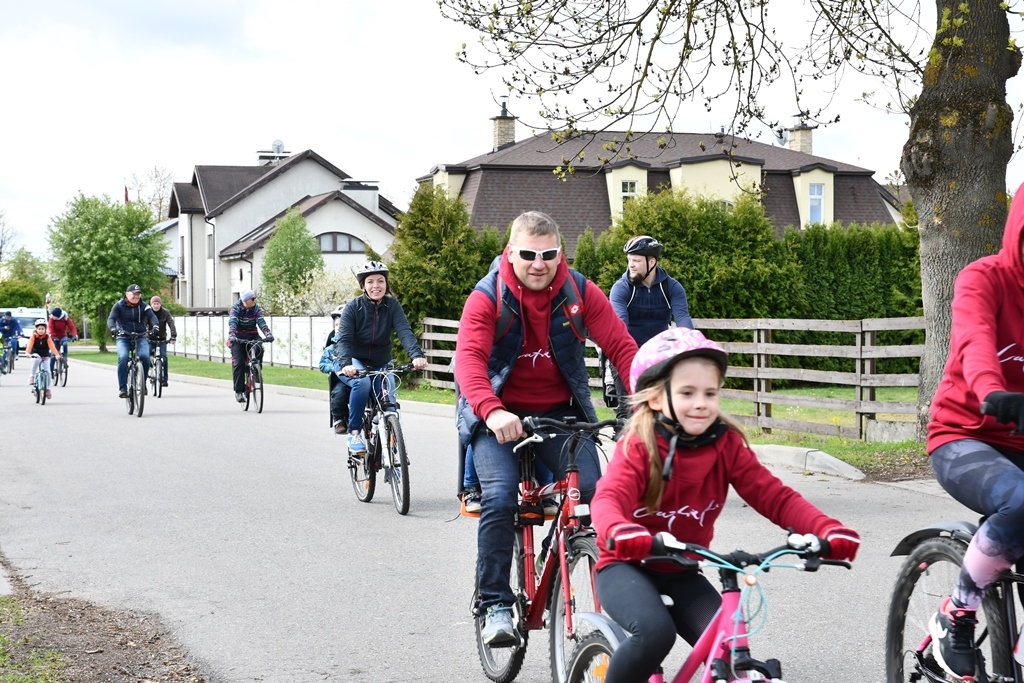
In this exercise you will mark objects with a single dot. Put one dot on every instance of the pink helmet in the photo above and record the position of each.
(657, 356)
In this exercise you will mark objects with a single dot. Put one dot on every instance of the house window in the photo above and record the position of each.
(209, 246)
(628, 190)
(817, 202)
(340, 243)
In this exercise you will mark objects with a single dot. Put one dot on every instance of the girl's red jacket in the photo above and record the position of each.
(696, 493)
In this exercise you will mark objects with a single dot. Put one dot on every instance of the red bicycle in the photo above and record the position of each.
(552, 589)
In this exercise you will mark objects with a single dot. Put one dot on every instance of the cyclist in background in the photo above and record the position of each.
(338, 390)
(246, 315)
(364, 342)
(10, 330)
(647, 299)
(134, 316)
(976, 458)
(61, 327)
(158, 334)
(41, 345)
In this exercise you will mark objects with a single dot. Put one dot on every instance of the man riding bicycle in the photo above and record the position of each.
(10, 330)
(521, 351)
(977, 459)
(246, 315)
(61, 327)
(130, 315)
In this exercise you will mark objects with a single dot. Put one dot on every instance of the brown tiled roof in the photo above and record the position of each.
(258, 236)
(185, 198)
(779, 201)
(218, 184)
(859, 199)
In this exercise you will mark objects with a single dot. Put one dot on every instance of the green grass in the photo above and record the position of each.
(19, 663)
(905, 458)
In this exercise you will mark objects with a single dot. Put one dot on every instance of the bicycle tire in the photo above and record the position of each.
(582, 552)
(35, 387)
(398, 462)
(63, 371)
(130, 398)
(589, 662)
(10, 361)
(363, 474)
(502, 664)
(257, 387)
(158, 372)
(925, 579)
(45, 381)
(139, 381)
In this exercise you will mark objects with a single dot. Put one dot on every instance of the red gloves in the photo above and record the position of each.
(843, 543)
(631, 541)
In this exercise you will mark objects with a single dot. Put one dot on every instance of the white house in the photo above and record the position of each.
(226, 215)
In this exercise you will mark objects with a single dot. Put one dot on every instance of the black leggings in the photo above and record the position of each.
(631, 596)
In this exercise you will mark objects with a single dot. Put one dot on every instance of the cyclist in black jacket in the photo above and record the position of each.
(364, 341)
(133, 315)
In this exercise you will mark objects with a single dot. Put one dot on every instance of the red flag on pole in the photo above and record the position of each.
(126, 200)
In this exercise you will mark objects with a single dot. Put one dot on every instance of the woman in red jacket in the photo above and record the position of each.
(671, 472)
(976, 458)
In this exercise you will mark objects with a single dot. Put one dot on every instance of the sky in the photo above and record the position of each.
(98, 90)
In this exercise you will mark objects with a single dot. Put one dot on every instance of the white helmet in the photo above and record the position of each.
(371, 268)
(336, 313)
(39, 322)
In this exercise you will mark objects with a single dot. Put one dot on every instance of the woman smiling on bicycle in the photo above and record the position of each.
(671, 472)
(977, 459)
(364, 341)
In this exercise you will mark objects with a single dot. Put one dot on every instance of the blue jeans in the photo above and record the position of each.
(62, 346)
(141, 349)
(361, 394)
(498, 469)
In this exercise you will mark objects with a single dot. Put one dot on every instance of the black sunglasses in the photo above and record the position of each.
(531, 254)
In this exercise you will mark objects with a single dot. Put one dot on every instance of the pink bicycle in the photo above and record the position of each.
(723, 649)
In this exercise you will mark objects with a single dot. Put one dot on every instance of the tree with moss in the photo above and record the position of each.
(100, 247)
(292, 261)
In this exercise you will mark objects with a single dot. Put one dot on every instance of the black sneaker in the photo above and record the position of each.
(471, 501)
(122, 394)
(952, 631)
(240, 397)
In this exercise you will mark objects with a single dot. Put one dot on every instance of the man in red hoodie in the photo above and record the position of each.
(520, 352)
(976, 458)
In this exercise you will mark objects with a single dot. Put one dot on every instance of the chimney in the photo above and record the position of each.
(504, 128)
(800, 137)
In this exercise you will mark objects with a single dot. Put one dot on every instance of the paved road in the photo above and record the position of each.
(242, 533)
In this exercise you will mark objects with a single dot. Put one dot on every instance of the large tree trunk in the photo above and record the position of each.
(955, 164)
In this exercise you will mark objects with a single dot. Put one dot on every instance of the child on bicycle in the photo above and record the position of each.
(40, 347)
(671, 472)
(978, 460)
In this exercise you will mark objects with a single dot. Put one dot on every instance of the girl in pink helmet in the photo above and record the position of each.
(671, 472)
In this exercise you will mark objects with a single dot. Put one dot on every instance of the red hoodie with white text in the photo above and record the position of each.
(986, 346)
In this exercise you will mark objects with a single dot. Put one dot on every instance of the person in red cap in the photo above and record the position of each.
(671, 472)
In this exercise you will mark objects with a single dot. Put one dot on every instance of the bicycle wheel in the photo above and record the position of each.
(362, 472)
(590, 661)
(502, 664)
(397, 462)
(582, 554)
(35, 387)
(44, 381)
(63, 371)
(926, 578)
(256, 387)
(153, 381)
(55, 374)
(139, 381)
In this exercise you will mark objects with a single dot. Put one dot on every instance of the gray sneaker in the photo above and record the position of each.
(498, 630)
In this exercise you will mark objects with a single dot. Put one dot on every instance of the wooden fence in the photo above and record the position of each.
(865, 353)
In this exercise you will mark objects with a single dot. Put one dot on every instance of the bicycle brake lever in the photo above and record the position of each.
(533, 438)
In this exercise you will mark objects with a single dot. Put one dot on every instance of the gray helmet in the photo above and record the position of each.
(643, 245)
(371, 268)
(336, 313)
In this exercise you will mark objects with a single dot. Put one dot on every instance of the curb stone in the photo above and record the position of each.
(5, 584)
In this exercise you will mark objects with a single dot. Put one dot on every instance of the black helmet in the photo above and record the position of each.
(643, 245)
(371, 268)
(57, 313)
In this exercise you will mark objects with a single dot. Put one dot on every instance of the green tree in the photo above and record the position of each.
(100, 247)
(645, 60)
(27, 267)
(292, 260)
(438, 256)
(15, 293)
(585, 260)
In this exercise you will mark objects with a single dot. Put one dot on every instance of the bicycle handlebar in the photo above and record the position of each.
(387, 369)
(532, 424)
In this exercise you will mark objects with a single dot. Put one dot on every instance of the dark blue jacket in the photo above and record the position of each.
(366, 329)
(132, 319)
(648, 310)
(9, 328)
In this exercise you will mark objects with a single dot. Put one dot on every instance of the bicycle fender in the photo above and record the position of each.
(608, 628)
(961, 531)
